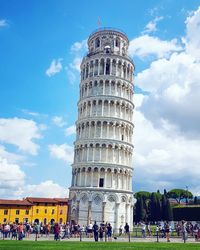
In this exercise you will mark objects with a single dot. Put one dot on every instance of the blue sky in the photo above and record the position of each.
(41, 45)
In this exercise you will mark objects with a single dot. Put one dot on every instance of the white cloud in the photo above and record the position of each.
(59, 121)
(174, 92)
(3, 23)
(78, 49)
(13, 158)
(55, 67)
(70, 130)
(47, 189)
(192, 39)
(152, 25)
(11, 176)
(145, 45)
(63, 152)
(166, 135)
(168, 159)
(21, 133)
(79, 46)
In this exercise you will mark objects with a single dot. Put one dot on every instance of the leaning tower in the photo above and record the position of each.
(102, 171)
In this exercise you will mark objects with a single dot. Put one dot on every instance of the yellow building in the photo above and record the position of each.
(45, 210)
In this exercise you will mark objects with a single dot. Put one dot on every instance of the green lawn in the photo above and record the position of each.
(46, 245)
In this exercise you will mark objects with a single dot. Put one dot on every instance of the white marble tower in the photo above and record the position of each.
(102, 171)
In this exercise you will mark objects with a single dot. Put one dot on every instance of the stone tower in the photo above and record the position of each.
(102, 171)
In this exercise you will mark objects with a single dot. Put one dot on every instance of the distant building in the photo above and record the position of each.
(34, 210)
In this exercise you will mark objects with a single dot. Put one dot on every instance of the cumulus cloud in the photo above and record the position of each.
(47, 189)
(3, 23)
(70, 130)
(21, 133)
(145, 46)
(55, 67)
(167, 120)
(11, 176)
(192, 39)
(13, 158)
(152, 25)
(167, 158)
(63, 152)
(59, 121)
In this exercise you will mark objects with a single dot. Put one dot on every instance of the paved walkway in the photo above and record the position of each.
(118, 239)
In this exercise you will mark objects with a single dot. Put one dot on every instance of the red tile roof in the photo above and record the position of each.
(15, 202)
(46, 200)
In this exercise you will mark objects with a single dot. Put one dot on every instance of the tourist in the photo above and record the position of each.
(195, 231)
(126, 229)
(184, 230)
(89, 230)
(37, 230)
(20, 232)
(96, 231)
(56, 231)
(167, 231)
(109, 232)
(143, 225)
(101, 231)
(120, 230)
(149, 229)
(14, 231)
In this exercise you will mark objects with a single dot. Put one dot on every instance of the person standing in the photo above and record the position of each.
(56, 231)
(126, 228)
(184, 230)
(109, 232)
(167, 231)
(96, 231)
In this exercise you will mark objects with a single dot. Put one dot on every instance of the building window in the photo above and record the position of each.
(27, 212)
(4, 220)
(61, 212)
(16, 220)
(122, 137)
(52, 212)
(6, 212)
(17, 211)
(101, 182)
(26, 220)
(45, 211)
(37, 211)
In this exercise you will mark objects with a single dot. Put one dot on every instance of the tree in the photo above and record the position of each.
(144, 194)
(164, 207)
(169, 213)
(179, 194)
(195, 200)
(154, 207)
(140, 213)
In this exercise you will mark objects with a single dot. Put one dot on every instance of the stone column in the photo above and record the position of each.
(103, 210)
(117, 215)
(77, 210)
(89, 212)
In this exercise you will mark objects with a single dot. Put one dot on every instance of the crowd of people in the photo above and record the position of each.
(101, 231)
(166, 230)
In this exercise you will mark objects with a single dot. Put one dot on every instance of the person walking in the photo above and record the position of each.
(96, 231)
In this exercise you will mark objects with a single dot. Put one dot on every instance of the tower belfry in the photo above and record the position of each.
(102, 170)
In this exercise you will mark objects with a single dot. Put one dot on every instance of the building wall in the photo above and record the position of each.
(12, 216)
(40, 213)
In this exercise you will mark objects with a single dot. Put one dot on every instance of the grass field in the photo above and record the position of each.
(46, 245)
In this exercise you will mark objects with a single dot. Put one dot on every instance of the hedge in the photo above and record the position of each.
(188, 213)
